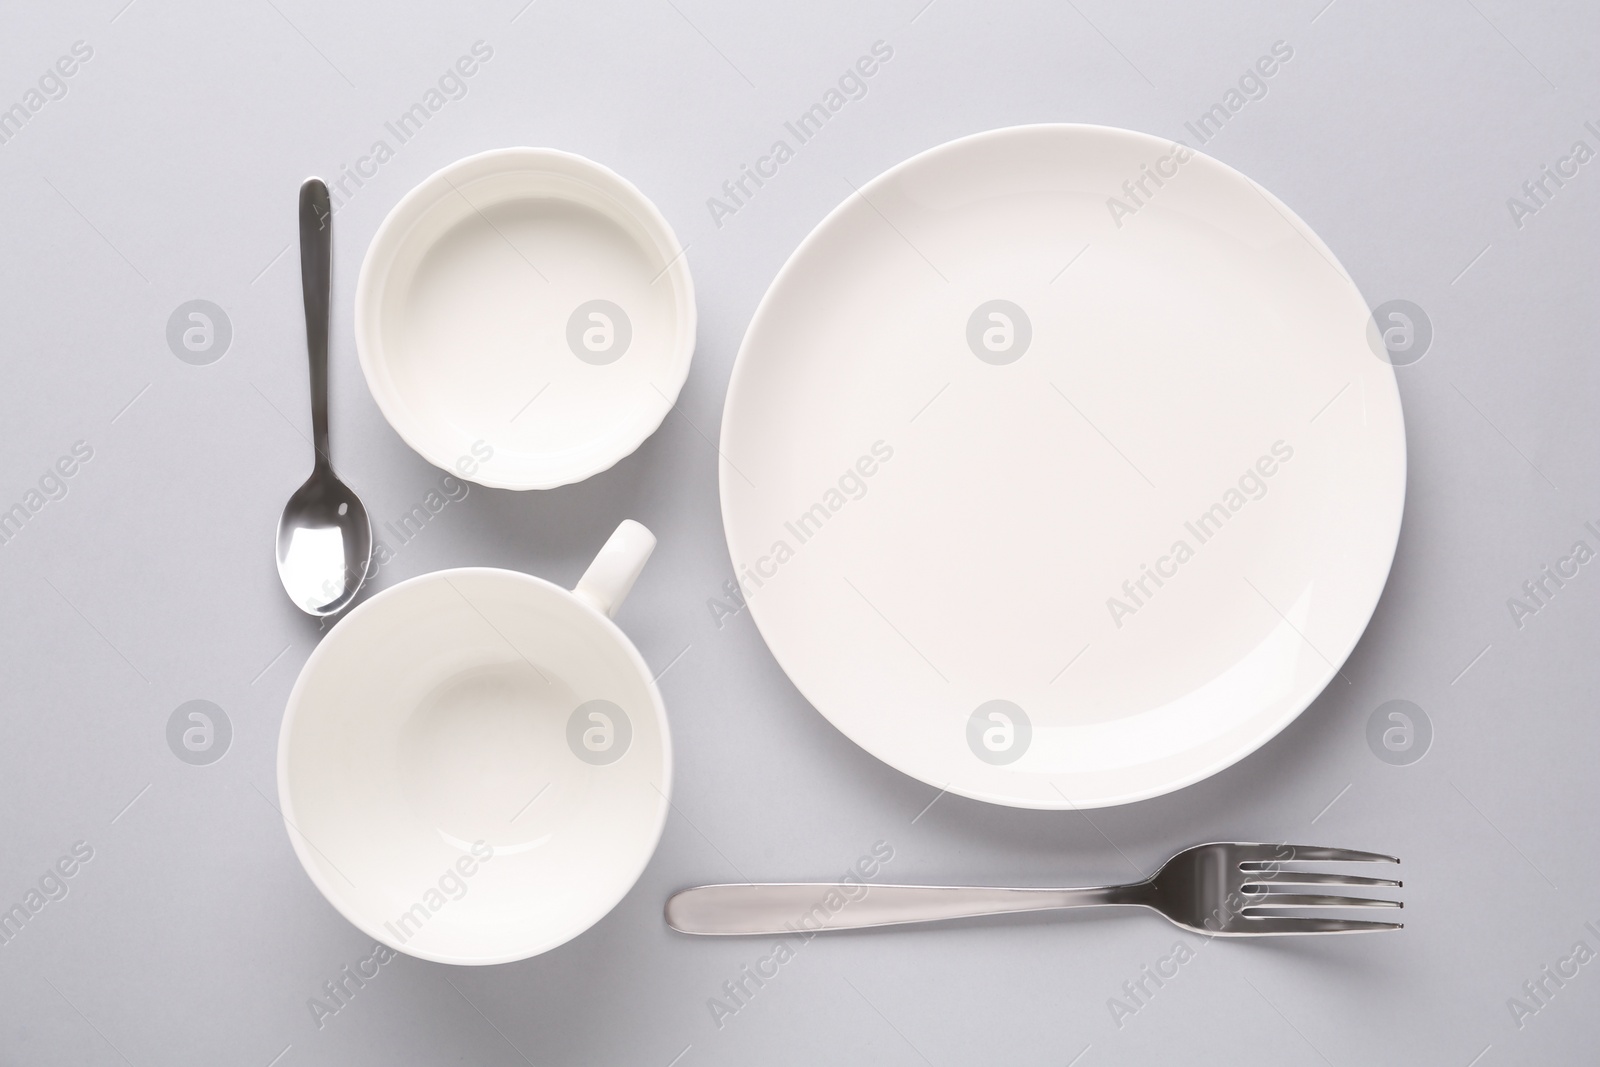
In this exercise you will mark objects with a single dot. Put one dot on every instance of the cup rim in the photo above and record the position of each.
(391, 235)
(291, 713)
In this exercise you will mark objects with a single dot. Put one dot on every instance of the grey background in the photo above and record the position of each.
(168, 173)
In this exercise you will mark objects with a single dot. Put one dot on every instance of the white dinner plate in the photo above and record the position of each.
(1059, 469)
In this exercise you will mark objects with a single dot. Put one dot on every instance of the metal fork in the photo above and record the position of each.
(1227, 889)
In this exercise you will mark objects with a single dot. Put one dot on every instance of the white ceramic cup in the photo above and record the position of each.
(474, 765)
(525, 318)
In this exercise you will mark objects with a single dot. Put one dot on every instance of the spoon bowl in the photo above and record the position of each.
(324, 544)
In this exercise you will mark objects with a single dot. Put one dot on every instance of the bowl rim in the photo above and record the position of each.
(303, 847)
(395, 230)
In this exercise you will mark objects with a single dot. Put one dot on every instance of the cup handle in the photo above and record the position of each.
(607, 581)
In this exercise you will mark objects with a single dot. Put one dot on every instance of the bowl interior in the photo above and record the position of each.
(474, 766)
(525, 317)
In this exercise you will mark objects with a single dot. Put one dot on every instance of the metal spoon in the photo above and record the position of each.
(324, 537)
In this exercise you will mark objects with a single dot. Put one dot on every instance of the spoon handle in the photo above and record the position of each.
(316, 253)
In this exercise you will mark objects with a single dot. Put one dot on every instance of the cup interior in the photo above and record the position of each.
(474, 766)
(525, 318)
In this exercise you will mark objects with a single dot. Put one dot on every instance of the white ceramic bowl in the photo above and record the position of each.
(525, 318)
(474, 765)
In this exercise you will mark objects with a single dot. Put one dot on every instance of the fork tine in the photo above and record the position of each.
(1307, 878)
(1315, 900)
(1298, 853)
(1289, 924)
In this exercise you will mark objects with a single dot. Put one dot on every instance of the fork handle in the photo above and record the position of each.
(802, 908)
